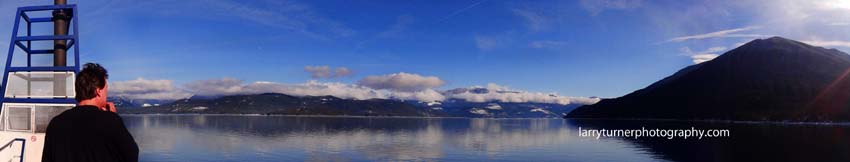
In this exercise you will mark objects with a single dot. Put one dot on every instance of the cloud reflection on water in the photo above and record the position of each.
(276, 138)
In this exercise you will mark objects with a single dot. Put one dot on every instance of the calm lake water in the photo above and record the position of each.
(284, 138)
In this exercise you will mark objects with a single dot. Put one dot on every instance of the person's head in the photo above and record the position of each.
(91, 85)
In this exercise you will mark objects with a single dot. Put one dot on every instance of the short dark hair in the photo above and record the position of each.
(92, 77)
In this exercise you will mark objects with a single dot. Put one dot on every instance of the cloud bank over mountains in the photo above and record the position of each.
(405, 82)
(141, 88)
(403, 86)
(494, 92)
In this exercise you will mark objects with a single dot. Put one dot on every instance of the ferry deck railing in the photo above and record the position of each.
(9, 145)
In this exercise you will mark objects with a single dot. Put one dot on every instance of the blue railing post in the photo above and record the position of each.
(9, 57)
(76, 41)
(23, 147)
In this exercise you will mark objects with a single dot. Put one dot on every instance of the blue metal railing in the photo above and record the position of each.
(25, 44)
(9, 144)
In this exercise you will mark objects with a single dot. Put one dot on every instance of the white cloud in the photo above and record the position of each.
(720, 34)
(598, 6)
(799, 18)
(317, 72)
(342, 71)
(702, 56)
(315, 88)
(547, 44)
(147, 89)
(402, 86)
(714, 49)
(699, 58)
(423, 95)
(828, 43)
(402, 82)
(216, 87)
(504, 94)
(839, 24)
(687, 51)
(140, 85)
(230, 86)
(834, 4)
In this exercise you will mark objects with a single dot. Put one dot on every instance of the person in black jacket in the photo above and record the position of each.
(92, 131)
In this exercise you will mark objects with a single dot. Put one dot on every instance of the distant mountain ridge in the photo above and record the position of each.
(774, 79)
(121, 101)
(282, 104)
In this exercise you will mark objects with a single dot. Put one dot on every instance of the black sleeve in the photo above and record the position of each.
(47, 151)
(129, 150)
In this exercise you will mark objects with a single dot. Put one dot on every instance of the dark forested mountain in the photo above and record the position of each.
(274, 103)
(773, 79)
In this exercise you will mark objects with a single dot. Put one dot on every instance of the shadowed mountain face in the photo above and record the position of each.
(772, 79)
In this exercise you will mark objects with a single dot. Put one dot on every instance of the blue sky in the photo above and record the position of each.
(603, 48)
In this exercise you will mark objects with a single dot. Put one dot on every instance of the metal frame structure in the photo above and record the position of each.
(23, 146)
(33, 126)
(63, 40)
(18, 43)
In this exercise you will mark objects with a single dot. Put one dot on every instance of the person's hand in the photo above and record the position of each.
(111, 107)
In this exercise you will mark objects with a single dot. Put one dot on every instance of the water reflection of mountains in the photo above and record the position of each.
(461, 139)
(280, 138)
(747, 142)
